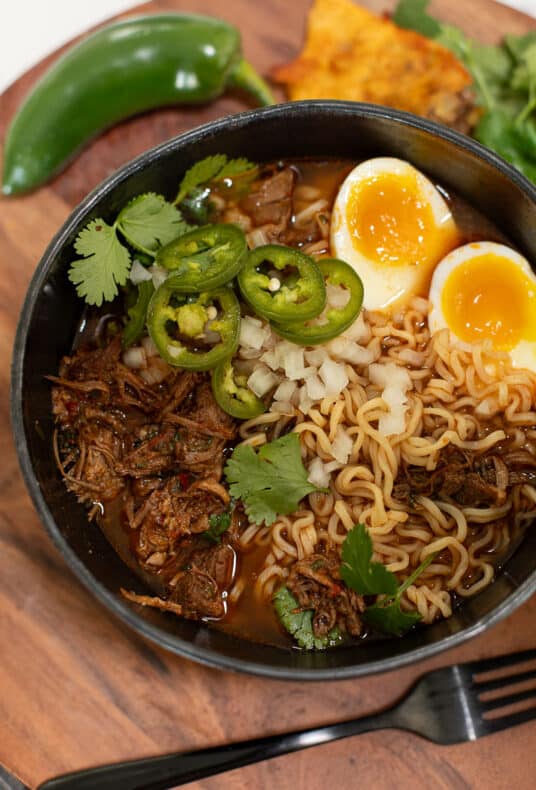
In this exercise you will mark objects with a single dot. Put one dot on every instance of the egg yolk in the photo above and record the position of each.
(392, 222)
(489, 297)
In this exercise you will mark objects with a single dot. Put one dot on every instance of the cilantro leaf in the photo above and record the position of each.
(299, 622)
(236, 167)
(149, 221)
(209, 169)
(515, 141)
(137, 314)
(203, 171)
(358, 571)
(270, 482)
(219, 523)
(105, 263)
(412, 14)
(388, 617)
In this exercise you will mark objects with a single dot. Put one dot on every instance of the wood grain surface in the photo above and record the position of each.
(76, 687)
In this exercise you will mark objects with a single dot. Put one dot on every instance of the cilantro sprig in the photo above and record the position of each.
(299, 622)
(146, 223)
(105, 263)
(270, 482)
(212, 168)
(504, 78)
(366, 577)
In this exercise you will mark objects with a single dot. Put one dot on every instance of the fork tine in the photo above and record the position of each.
(489, 664)
(505, 680)
(509, 699)
(489, 726)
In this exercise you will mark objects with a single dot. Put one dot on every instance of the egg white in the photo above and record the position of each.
(523, 354)
(384, 285)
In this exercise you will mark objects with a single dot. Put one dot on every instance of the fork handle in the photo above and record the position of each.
(171, 770)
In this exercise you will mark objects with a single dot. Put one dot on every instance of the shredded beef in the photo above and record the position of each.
(160, 448)
(202, 574)
(316, 584)
(468, 478)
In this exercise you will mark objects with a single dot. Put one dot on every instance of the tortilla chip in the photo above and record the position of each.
(352, 54)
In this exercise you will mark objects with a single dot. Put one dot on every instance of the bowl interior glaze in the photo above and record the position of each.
(52, 310)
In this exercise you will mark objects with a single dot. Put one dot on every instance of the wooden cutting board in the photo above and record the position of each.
(77, 688)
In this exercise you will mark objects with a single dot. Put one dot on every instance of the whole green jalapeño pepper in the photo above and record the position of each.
(177, 324)
(204, 258)
(121, 70)
(298, 293)
(232, 393)
(334, 319)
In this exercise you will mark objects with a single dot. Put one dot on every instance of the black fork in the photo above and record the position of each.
(449, 705)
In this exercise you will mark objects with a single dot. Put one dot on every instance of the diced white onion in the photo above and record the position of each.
(358, 331)
(138, 273)
(317, 473)
(135, 357)
(271, 358)
(283, 407)
(315, 356)
(412, 357)
(262, 380)
(149, 347)
(332, 466)
(395, 382)
(350, 351)
(315, 388)
(159, 275)
(252, 333)
(285, 391)
(333, 374)
(341, 446)
(250, 353)
(336, 296)
(305, 401)
(256, 238)
(293, 362)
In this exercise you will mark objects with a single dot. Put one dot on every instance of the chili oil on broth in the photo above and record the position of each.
(265, 554)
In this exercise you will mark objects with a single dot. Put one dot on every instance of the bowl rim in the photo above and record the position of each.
(173, 643)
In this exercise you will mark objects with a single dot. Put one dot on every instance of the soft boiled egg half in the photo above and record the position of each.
(393, 226)
(487, 291)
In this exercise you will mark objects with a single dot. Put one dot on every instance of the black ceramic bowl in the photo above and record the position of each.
(51, 311)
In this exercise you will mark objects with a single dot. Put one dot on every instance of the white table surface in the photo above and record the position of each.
(33, 28)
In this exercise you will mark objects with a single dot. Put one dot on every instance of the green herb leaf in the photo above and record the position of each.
(270, 482)
(389, 617)
(149, 221)
(203, 171)
(504, 81)
(358, 571)
(412, 15)
(515, 141)
(137, 314)
(209, 169)
(105, 263)
(219, 523)
(299, 622)
(236, 167)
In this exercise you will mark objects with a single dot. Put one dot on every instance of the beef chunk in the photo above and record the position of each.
(269, 203)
